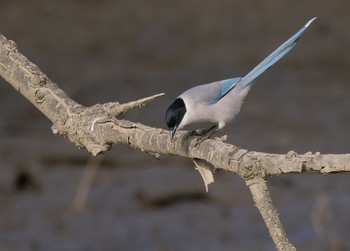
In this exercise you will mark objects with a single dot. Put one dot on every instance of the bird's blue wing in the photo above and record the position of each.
(225, 86)
(274, 56)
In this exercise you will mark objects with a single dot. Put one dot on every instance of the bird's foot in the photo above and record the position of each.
(200, 139)
(194, 133)
(197, 133)
(204, 134)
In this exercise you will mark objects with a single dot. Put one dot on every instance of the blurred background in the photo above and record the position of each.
(103, 51)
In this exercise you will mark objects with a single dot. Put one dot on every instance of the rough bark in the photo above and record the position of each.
(96, 128)
(263, 202)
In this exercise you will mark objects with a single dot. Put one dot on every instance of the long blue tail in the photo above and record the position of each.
(274, 56)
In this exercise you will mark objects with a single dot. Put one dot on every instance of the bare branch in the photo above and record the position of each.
(269, 213)
(96, 129)
(28, 80)
(114, 109)
(85, 183)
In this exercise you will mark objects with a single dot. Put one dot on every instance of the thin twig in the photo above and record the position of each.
(114, 108)
(85, 183)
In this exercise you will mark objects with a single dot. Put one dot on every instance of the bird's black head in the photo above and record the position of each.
(174, 115)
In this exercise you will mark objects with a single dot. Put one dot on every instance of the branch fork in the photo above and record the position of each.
(96, 128)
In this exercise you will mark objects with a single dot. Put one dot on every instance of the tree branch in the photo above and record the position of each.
(263, 202)
(96, 129)
(114, 109)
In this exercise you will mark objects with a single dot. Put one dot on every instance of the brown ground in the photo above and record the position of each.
(101, 51)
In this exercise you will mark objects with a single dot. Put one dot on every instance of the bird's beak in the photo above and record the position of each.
(172, 132)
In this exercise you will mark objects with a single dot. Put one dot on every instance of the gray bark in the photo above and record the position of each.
(96, 128)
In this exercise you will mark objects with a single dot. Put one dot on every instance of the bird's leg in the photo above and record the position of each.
(201, 132)
(206, 133)
(210, 131)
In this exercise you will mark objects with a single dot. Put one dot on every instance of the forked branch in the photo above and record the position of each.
(96, 129)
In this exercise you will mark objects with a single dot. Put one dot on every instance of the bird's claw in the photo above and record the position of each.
(197, 133)
(200, 140)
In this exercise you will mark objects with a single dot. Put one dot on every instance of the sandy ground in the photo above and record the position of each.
(101, 51)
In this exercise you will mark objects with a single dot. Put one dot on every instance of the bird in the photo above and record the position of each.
(219, 102)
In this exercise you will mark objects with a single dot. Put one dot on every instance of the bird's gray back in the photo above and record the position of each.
(201, 93)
